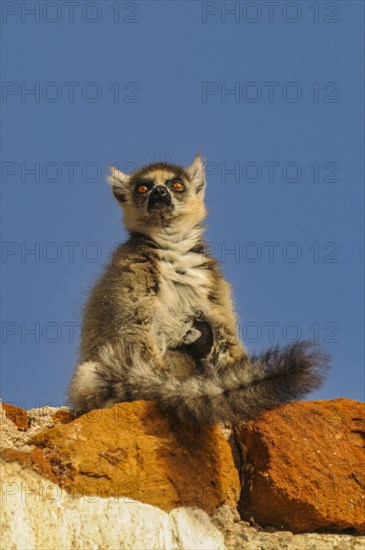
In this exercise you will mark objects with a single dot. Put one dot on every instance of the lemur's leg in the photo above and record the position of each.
(113, 376)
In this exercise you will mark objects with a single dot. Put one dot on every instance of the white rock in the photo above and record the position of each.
(37, 514)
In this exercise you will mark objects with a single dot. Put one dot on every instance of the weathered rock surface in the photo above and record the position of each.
(18, 426)
(132, 450)
(18, 416)
(240, 534)
(38, 515)
(305, 467)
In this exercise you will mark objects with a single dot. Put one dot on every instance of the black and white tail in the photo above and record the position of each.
(231, 394)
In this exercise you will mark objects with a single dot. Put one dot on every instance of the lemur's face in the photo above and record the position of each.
(161, 194)
(159, 190)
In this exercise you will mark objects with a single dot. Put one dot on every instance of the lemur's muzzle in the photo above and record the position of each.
(159, 198)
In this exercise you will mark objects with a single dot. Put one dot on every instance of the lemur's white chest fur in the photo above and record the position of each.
(184, 286)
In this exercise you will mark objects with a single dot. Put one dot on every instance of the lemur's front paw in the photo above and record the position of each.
(191, 336)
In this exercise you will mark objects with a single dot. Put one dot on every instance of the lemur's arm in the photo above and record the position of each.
(213, 339)
(117, 336)
(122, 303)
(227, 348)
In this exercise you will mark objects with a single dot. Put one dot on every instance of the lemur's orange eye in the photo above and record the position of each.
(142, 189)
(178, 185)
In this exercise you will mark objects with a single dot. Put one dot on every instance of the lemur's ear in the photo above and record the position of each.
(119, 182)
(196, 172)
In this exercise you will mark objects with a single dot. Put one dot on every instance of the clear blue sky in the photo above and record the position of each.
(151, 80)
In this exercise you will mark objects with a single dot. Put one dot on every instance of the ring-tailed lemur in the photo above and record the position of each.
(160, 323)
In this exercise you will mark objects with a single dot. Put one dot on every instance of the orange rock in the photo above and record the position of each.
(305, 467)
(17, 415)
(132, 450)
(34, 460)
(62, 416)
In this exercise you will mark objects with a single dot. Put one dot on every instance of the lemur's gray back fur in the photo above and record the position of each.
(160, 322)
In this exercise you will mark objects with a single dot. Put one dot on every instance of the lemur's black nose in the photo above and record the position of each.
(159, 198)
(160, 190)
